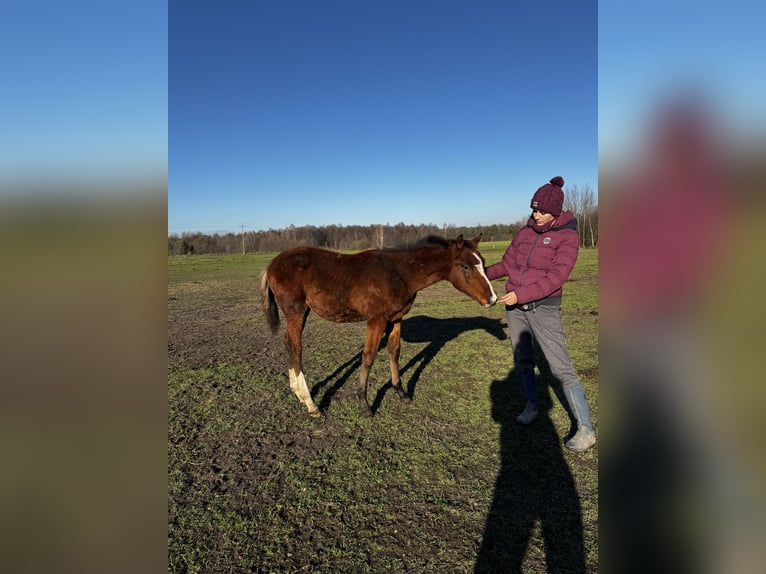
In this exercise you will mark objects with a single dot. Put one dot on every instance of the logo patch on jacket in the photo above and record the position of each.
(546, 241)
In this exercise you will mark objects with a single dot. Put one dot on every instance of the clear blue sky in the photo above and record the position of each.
(656, 50)
(272, 113)
(349, 112)
(84, 91)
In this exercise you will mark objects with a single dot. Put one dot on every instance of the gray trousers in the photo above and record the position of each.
(544, 325)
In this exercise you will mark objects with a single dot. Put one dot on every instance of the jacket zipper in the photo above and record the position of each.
(526, 264)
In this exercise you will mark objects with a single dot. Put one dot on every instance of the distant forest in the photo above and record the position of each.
(344, 238)
(582, 202)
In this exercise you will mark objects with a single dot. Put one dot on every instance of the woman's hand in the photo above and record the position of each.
(509, 298)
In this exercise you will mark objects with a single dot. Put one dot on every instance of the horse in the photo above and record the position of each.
(377, 286)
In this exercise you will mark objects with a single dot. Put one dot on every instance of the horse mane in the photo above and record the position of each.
(429, 241)
(434, 241)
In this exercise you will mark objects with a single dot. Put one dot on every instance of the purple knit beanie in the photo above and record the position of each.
(550, 197)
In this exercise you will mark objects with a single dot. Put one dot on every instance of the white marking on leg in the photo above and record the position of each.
(480, 268)
(304, 394)
(293, 381)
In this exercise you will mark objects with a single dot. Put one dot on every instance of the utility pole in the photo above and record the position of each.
(242, 227)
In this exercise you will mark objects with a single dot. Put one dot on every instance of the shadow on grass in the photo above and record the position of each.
(437, 333)
(418, 329)
(342, 373)
(534, 485)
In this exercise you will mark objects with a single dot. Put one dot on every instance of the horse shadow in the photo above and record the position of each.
(419, 329)
(534, 485)
(340, 375)
(436, 333)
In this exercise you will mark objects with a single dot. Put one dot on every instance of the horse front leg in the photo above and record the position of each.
(394, 346)
(375, 328)
(298, 385)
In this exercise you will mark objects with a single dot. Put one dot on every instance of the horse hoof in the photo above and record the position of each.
(406, 399)
(366, 412)
(316, 414)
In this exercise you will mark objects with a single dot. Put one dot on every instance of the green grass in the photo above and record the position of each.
(255, 485)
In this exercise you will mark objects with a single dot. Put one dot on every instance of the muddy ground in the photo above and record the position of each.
(255, 485)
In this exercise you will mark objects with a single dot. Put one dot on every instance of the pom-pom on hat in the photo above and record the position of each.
(550, 197)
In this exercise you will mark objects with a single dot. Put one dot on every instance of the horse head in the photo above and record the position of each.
(467, 271)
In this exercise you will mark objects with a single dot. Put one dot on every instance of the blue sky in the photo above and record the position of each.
(357, 112)
(655, 50)
(84, 90)
(348, 112)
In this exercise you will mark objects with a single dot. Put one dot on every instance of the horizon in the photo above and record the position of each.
(289, 227)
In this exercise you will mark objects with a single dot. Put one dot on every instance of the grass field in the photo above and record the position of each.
(446, 484)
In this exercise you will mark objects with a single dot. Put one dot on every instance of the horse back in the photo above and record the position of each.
(341, 287)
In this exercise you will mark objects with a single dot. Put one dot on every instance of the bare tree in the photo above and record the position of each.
(573, 203)
(571, 199)
(589, 212)
(379, 237)
(583, 205)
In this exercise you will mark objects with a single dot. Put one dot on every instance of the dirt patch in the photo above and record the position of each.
(203, 338)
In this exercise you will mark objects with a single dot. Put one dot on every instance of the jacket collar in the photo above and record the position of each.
(564, 221)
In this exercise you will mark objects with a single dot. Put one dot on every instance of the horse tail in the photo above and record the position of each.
(269, 303)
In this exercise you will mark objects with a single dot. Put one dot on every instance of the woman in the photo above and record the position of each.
(537, 263)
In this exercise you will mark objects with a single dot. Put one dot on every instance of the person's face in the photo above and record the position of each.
(542, 217)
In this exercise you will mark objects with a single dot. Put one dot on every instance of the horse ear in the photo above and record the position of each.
(459, 241)
(476, 239)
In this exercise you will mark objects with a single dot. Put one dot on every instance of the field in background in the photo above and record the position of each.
(448, 483)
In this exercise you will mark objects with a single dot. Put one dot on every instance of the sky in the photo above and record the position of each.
(84, 91)
(358, 113)
(655, 51)
(267, 114)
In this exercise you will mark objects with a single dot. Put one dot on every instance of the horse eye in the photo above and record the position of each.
(466, 267)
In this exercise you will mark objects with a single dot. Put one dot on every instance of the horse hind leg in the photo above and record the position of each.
(297, 379)
(301, 389)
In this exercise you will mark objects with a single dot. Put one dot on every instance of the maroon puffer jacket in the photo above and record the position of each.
(537, 263)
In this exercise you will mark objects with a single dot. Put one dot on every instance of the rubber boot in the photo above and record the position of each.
(585, 437)
(529, 392)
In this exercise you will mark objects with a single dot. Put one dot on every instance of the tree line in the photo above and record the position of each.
(582, 202)
(340, 237)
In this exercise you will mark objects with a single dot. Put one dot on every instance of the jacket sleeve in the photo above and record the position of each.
(496, 270)
(558, 272)
(500, 269)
